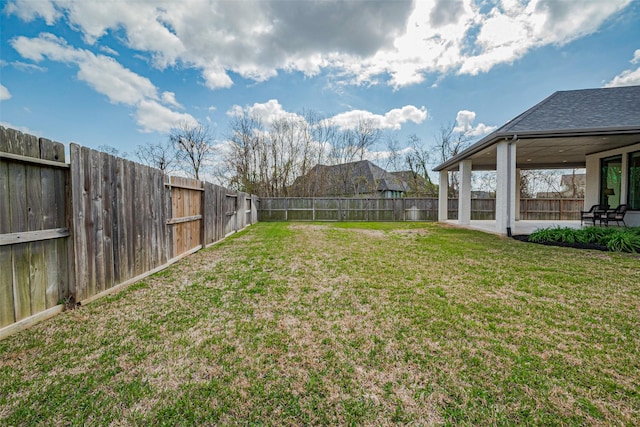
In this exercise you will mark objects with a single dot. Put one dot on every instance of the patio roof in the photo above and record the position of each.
(562, 130)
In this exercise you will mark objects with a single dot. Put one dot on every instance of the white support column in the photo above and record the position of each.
(443, 196)
(518, 195)
(592, 186)
(464, 193)
(505, 186)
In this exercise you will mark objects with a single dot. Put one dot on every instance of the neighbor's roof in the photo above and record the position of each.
(368, 177)
(377, 178)
(574, 112)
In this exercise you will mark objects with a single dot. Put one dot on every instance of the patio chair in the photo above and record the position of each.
(595, 213)
(616, 215)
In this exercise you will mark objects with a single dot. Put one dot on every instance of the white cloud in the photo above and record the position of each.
(393, 119)
(152, 116)
(109, 51)
(24, 66)
(108, 77)
(4, 93)
(22, 129)
(28, 10)
(628, 77)
(267, 112)
(119, 84)
(169, 98)
(401, 42)
(104, 74)
(464, 124)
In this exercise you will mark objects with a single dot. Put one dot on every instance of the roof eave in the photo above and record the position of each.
(497, 136)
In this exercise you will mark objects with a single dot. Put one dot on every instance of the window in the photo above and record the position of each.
(634, 180)
(610, 180)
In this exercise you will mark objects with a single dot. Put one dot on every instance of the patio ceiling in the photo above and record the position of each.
(553, 152)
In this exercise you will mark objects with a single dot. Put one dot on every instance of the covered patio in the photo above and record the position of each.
(595, 129)
(521, 227)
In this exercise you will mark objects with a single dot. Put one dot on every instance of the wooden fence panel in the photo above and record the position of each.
(186, 219)
(230, 210)
(119, 220)
(33, 211)
(416, 209)
(551, 209)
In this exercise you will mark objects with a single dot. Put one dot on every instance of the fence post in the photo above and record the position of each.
(203, 214)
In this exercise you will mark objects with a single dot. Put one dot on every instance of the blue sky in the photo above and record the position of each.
(122, 73)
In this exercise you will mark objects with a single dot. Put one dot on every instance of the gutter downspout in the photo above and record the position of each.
(509, 184)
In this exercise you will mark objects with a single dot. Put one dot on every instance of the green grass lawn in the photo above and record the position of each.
(350, 324)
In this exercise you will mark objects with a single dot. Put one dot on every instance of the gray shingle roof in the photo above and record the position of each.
(616, 107)
(359, 177)
(564, 113)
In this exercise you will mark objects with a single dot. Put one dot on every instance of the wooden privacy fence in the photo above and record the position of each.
(405, 209)
(551, 209)
(347, 209)
(74, 232)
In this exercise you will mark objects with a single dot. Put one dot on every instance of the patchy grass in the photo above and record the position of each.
(351, 324)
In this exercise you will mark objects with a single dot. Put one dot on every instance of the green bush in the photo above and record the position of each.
(614, 239)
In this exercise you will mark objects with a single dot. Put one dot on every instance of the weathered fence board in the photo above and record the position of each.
(6, 265)
(33, 212)
(37, 262)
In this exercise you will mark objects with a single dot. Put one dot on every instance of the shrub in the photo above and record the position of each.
(621, 240)
(614, 239)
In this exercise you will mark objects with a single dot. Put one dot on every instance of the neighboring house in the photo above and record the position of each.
(595, 129)
(571, 187)
(417, 185)
(359, 179)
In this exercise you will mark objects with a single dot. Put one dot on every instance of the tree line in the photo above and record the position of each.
(270, 159)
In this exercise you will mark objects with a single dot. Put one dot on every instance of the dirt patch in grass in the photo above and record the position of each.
(343, 324)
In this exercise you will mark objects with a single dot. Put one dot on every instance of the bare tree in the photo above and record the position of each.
(109, 149)
(160, 155)
(353, 144)
(546, 183)
(394, 160)
(194, 146)
(245, 158)
(449, 143)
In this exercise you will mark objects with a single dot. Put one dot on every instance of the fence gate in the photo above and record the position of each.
(185, 213)
(230, 210)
